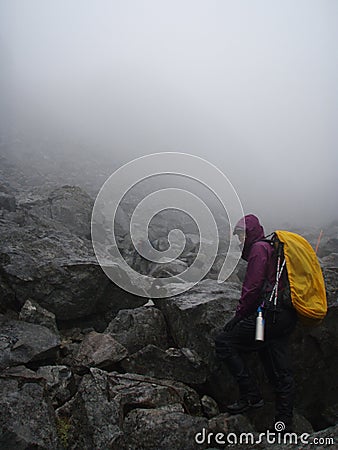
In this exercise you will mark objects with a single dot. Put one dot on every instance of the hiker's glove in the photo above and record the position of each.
(229, 326)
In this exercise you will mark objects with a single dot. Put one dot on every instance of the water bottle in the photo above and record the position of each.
(259, 326)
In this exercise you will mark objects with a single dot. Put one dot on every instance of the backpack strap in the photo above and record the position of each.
(278, 247)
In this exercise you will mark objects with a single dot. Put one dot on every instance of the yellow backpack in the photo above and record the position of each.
(305, 277)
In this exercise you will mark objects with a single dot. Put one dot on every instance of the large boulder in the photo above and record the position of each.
(138, 327)
(329, 243)
(69, 206)
(22, 342)
(59, 383)
(315, 356)
(58, 270)
(168, 269)
(7, 201)
(102, 411)
(103, 224)
(32, 312)
(330, 273)
(100, 350)
(195, 317)
(162, 429)
(27, 418)
(177, 364)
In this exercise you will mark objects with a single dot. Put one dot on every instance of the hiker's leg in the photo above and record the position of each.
(275, 359)
(276, 363)
(230, 347)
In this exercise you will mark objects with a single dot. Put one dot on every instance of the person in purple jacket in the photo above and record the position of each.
(238, 336)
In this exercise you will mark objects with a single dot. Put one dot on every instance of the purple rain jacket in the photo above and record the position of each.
(261, 266)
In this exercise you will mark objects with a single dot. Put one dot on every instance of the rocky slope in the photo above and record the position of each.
(85, 365)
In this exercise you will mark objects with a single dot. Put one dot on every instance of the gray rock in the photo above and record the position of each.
(98, 410)
(196, 316)
(209, 406)
(138, 327)
(177, 364)
(159, 429)
(224, 430)
(100, 350)
(121, 226)
(91, 418)
(230, 424)
(68, 352)
(7, 202)
(57, 270)
(67, 205)
(22, 342)
(237, 276)
(328, 245)
(301, 425)
(315, 361)
(60, 383)
(20, 373)
(27, 419)
(32, 312)
(4, 188)
(330, 414)
(122, 222)
(329, 261)
(331, 284)
(166, 270)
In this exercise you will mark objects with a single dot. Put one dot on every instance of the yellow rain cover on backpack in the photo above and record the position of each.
(305, 276)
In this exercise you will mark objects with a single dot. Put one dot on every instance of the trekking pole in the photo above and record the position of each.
(278, 275)
(276, 285)
(318, 240)
(274, 292)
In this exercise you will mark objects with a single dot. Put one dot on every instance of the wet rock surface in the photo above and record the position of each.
(7, 202)
(316, 365)
(100, 350)
(138, 327)
(59, 383)
(56, 269)
(67, 206)
(162, 428)
(195, 317)
(32, 312)
(23, 342)
(27, 418)
(110, 404)
(177, 364)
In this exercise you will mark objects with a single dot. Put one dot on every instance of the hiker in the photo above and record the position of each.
(238, 336)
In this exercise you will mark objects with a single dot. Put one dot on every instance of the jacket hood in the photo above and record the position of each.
(253, 232)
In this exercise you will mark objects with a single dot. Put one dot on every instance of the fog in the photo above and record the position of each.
(251, 86)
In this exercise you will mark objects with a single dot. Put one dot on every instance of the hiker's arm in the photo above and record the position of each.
(253, 282)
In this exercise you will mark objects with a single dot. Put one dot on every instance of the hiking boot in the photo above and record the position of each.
(242, 405)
